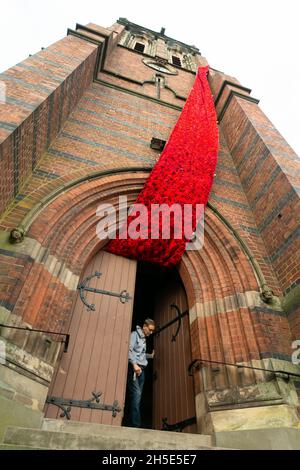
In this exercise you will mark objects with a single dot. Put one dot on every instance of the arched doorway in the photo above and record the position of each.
(226, 313)
(96, 360)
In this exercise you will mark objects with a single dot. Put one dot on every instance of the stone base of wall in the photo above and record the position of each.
(260, 417)
(263, 427)
(21, 400)
(285, 438)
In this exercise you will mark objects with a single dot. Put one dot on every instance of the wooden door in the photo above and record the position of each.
(173, 388)
(97, 356)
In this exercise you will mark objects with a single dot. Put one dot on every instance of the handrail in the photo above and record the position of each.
(194, 365)
(179, 426)
(26, 328)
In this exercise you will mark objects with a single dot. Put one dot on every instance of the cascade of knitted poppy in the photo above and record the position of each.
(182, 176)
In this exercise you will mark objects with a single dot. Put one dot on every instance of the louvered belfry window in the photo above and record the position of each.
(176, 61)
(139, 47)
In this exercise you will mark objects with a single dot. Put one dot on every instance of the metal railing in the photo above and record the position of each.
(197, 362)
(179, 426)
(65, 341)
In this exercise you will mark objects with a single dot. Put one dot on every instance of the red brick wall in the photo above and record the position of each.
(229, 197)
(222, 337)
(108, 129)
(40, 93)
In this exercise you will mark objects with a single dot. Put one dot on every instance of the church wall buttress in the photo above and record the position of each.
(269, 172)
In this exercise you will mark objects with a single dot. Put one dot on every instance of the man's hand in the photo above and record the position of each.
(152, 354)
(137, 369)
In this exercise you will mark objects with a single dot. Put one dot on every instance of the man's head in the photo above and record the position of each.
(148, 327)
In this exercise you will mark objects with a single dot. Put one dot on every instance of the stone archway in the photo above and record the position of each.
(59, 241)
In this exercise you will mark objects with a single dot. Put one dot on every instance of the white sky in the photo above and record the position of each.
(255, 41)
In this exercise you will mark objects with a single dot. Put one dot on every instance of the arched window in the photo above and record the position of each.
(139, 41)
(180, 56)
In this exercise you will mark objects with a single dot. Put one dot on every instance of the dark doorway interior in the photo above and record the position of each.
(150, 279)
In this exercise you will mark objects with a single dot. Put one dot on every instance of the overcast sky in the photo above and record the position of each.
(255, 41)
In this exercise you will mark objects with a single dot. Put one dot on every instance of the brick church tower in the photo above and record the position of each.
(82, 123)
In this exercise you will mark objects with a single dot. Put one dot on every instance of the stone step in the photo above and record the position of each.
(135, 434)
(17, 447)
(142, 439)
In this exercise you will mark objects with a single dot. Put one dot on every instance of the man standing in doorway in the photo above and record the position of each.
(137, 363)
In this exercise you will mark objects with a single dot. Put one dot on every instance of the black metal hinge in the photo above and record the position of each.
(178, 319)
(93, 403)
(123, 295)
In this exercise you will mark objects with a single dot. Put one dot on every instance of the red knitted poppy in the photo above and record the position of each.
(183, 175)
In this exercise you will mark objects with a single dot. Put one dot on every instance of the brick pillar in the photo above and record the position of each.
(269, 171)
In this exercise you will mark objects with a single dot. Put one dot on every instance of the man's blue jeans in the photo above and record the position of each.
(135, 389)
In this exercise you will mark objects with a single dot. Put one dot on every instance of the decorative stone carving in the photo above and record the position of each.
(16, 235)
(160, 65)
(237, 397)
(266, 294)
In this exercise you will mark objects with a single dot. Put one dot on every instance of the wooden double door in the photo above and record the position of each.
(97, 356)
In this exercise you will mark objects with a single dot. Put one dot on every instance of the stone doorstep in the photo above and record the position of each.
(38, 438)
(77, 427)
(16, 447)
